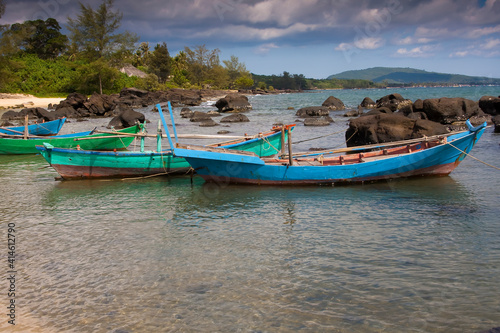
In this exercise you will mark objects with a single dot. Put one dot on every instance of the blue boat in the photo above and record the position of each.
(41, 129)
(429, 156)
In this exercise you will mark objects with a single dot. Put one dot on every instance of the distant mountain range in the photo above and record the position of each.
(400, 75)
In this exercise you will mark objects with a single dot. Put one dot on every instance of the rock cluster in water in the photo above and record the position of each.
(394, 118)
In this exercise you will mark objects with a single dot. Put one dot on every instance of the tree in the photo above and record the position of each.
(180, 69)
(235, 68)
(244, 82)
(159, 62)
(92, 31)
(200, 61)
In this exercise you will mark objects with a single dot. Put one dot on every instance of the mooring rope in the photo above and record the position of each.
(477, 159)
(319, 137)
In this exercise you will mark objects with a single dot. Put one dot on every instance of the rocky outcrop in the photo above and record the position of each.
(333, 103)
(126, 117)
(490, 105)
(449, 110)
(233, 103)
(391, 101)
(379, 128)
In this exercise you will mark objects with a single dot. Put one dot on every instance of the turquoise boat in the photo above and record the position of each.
(47, 128)
(84, 164)
(432, 156)
(120, 139)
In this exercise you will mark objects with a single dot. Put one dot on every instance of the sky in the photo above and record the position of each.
(315, 38)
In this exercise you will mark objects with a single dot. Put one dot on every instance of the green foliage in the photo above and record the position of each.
(38, 76)
(159, 62)
(285, 81)
(235, 69)
(200, 61)
(149, 83)
(244, 82)
(42, 38)
(92, 32)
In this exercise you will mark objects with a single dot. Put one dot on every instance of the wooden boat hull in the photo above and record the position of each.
(229, 168)
(48, 128)
(81, 164)
(16, 146)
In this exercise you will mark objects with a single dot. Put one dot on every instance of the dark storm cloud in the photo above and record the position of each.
(365, 23)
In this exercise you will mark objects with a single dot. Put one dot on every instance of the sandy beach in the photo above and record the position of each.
(19, 101)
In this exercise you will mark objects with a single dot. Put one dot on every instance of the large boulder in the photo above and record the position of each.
(100, 105)
(496, 122)
(233, 102)
(313, 111)
(74, 100)
(126, 117)
(381, 128)
(449, 110)
(199, 116)
(490, 105)
(368, 103)
(391, 101)
(333, 103)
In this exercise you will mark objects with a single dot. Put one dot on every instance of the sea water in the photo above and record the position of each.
(178, 255)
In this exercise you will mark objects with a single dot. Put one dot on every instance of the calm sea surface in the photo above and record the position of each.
(177, 255)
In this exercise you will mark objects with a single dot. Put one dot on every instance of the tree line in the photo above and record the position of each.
(36, 58)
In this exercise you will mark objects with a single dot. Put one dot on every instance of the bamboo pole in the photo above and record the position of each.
(26, 132)
(282, 140)
(290, 157)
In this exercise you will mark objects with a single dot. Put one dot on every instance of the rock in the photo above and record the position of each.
(199, 116)
(223, 132)
(418, 106)
(290, 108)
(381, 128)
(490, 105)
(313, 111)
(448, 110)
(213, 113)
(378, 111)
(74, 100)
(333, 103)
(208, 123)
(351, 113)
(496, 122)
(233, 102)
(186, 113)
(391, 101)
(235, 118)
(126, 117)
(368, 103)
(100, 105)
(318, 121)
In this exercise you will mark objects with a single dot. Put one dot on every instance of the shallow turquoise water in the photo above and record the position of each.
(178, 255)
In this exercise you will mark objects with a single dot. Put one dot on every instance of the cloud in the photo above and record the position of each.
(491, 44)
(369, 43)
(417, 52)
(265, 48)
(480, 32)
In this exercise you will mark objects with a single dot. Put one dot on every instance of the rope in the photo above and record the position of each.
(477, 159)
(319, 137)
(270, 145)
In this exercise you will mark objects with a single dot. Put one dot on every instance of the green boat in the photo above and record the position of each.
(119, 140)
(82, 164)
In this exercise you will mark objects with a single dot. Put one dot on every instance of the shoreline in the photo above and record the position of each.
(21, 101)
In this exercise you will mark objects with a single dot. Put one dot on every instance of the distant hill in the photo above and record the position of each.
(400, 75)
